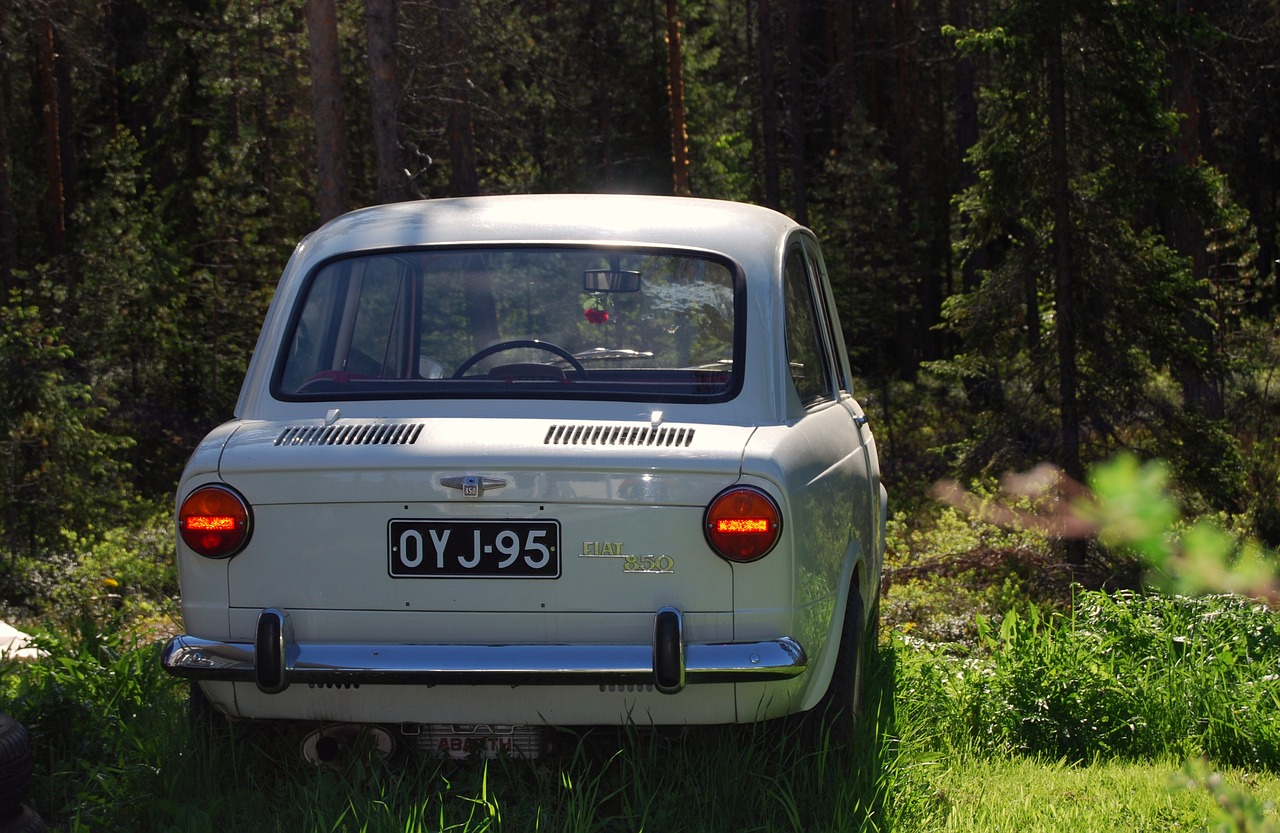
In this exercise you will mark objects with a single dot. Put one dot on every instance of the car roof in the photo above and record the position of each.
(742, 231)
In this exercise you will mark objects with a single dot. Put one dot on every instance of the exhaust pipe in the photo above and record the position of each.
(335, 745)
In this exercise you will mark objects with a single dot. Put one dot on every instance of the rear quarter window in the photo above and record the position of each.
(807, 355)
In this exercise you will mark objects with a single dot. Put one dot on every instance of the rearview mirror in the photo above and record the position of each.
(610, 280)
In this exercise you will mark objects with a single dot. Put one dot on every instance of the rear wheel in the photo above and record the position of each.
(838, 710)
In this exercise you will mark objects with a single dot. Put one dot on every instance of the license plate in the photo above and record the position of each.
(474, 548)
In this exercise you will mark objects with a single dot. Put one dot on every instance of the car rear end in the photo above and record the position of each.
(490, 486)
(553, 574)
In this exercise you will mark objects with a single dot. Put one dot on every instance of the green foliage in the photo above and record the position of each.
(1131, 676)
(945, 567)
(188, 174)
(1133, 508)
(1136, 271)
(125, 574)
(52, 452)
(124, 303)
(97, 708)
(854, 216)
(721, 118)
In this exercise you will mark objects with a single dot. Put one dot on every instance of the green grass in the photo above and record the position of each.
(115, 751)
(1127, 676)
(1027, 795)
(1078, 721)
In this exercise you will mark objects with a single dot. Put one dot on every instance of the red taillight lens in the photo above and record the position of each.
(214, 521)
(742, 524)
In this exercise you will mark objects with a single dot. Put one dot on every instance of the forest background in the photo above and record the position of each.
(1052, 227)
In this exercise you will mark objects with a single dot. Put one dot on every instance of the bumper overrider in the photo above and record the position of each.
(275, 660)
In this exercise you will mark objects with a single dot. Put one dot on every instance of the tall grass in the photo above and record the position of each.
(1125, 676)
(117, 751)
(1130, 678)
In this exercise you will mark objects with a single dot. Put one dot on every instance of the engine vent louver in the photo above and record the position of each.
(402, 433)
(619, 435)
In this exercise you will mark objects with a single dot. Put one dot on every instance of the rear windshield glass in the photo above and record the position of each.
(524, 322)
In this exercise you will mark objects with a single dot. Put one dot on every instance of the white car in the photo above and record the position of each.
(503, 463)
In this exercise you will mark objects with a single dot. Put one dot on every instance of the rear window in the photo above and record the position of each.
(531, 322)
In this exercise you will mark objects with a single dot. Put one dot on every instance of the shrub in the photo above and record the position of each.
(1130, 676)
(100, 574)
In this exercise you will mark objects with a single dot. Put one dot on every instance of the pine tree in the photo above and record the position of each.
(1087, 306)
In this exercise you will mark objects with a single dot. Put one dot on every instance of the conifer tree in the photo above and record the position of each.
(1086, 307)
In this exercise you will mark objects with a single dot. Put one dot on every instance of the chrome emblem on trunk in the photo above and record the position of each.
(471, 485)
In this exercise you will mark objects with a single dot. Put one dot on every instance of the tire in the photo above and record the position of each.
(873, 628)
(838, 711)
(25, 820)
(15, 764)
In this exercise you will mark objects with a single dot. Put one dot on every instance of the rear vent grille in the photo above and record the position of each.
(628, 688)
(403, 433)
(619, 435)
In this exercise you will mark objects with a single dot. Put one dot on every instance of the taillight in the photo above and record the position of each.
(742, 524)
(215, 521)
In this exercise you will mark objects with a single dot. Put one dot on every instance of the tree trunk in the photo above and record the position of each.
(675, 92)
(914, 335)
(840, 49)
(1201, 394)
(1064, 265)
(966, 136)
(795, 111)
(384, 92)
(769, 106)
(46, 58)
(599, 42)
(326, 102)
(464, 179)
(68, 153)
(8, 246)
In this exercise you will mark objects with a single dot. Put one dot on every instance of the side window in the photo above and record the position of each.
(806, 354)
(355, 319)
(830, 323)
(378, 338)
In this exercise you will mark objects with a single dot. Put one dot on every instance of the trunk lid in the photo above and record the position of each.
(353, 515)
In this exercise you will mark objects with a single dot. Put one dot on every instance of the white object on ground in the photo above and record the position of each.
(14, 644)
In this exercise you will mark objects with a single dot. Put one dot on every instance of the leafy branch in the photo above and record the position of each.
(1127, 505)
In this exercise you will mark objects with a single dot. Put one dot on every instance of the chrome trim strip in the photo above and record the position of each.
(726, 662)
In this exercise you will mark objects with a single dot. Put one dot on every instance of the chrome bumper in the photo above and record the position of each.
(275, 660)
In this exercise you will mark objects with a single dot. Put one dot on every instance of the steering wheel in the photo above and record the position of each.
(516, 343)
